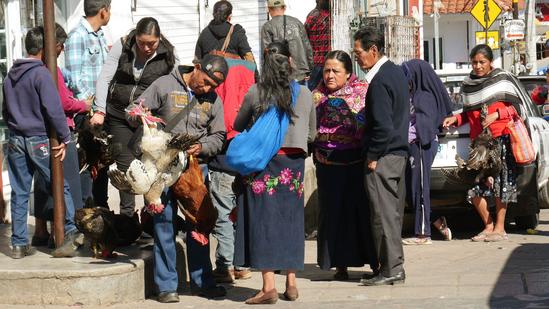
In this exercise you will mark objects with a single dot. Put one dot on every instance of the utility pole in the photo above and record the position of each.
(56, 166)
(436, 6)
(486, 20)
(531, 35)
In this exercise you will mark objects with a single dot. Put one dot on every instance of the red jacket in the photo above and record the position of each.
(71, 106)
(232, 91)
(497, 128)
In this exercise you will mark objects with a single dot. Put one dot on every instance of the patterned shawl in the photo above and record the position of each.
(498, 85)
(341, 112)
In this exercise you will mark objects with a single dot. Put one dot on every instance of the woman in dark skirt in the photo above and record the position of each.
(270, 226)
(344, 236)
(488, 97)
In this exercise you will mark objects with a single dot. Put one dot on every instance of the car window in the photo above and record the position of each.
(531, 84)
(454, 90)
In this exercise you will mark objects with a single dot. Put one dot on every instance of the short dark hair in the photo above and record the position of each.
(370, 36)
(60, 34)
(483, 49)
(342, 57)
(221, 11)
(92, 7)
(34, 40)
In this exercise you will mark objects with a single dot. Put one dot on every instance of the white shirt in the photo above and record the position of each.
(373, 71)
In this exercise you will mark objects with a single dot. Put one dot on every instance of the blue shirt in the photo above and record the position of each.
(85, 52)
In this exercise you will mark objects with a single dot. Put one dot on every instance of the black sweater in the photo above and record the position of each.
(387, 113)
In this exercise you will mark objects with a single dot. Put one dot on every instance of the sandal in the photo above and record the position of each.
(417, 241)
(494, 237)
(444, 229)
(479, 237)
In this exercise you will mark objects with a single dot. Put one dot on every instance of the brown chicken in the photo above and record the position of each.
(195, 202)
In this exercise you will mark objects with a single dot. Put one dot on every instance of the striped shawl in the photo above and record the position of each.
(498, 85)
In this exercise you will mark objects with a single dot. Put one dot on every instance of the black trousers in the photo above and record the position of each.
(386, 192)
(122, 133)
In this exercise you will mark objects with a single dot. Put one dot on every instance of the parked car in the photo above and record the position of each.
(533, 179)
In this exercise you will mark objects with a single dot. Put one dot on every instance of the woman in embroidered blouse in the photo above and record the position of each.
(487, 106)
(344, 236)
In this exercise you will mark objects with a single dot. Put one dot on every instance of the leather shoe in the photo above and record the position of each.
(291, 293)
(19, 252)
(168, 297)
(371, 275)
(270, 297)
(213, 292)
(72, 241)
(381, 280)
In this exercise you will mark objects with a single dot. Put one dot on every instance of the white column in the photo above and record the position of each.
(14, 34)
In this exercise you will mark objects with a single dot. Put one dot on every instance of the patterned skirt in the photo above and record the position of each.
(505, 184)
(270, 232)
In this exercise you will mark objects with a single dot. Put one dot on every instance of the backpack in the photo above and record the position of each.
(251, 150)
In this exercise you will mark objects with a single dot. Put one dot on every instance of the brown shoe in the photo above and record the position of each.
(291, 293)
(261, 298)
(223, 275)
(242, 274)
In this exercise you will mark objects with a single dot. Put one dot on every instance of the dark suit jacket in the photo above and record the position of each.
(387, 113)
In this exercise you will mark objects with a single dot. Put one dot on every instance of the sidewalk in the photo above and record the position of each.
(456, 274)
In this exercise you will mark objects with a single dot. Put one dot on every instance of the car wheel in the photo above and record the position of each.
(527, 222)
(544, 197)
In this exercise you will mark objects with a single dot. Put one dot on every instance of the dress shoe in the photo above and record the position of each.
(341, 275)
(213, 292)
(19, 252)
(291, 293)
(371, 275)
(270, 297)
(72, 241)
(168, 297)
(381, 280)
(242, 274)
(38, 241)
(223, 275)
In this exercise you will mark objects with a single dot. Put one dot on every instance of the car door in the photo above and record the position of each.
(539, 131)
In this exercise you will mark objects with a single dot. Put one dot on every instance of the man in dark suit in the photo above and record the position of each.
(385, 145)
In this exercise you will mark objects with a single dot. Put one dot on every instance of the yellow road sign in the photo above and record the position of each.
(485, 19)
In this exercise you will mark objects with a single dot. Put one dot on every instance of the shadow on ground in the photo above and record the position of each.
(524, 280)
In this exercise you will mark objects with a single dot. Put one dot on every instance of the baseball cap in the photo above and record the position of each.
(211, 64)
(275, 3)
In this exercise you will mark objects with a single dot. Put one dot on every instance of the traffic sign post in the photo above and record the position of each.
(486, 12)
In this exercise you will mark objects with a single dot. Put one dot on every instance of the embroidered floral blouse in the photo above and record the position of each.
(340, 115)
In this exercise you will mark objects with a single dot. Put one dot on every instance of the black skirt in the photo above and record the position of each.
(270, 231)
(344, 234)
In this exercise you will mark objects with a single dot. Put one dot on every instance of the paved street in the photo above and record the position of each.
(456, 274)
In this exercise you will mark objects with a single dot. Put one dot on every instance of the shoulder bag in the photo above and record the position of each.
(223, 51)
(251, 150)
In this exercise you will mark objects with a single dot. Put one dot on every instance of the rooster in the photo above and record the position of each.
(484, 162)
(95, 147)
(107, 230)
(195, 202)
(162, 161)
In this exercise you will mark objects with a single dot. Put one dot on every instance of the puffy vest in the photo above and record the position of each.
(124, 88)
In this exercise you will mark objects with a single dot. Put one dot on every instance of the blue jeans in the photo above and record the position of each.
(43, 200)
(224, 200)
(198, 256)
(27, 155)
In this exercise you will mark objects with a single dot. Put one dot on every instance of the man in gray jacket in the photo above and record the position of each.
(166, 97)
(283, 27)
